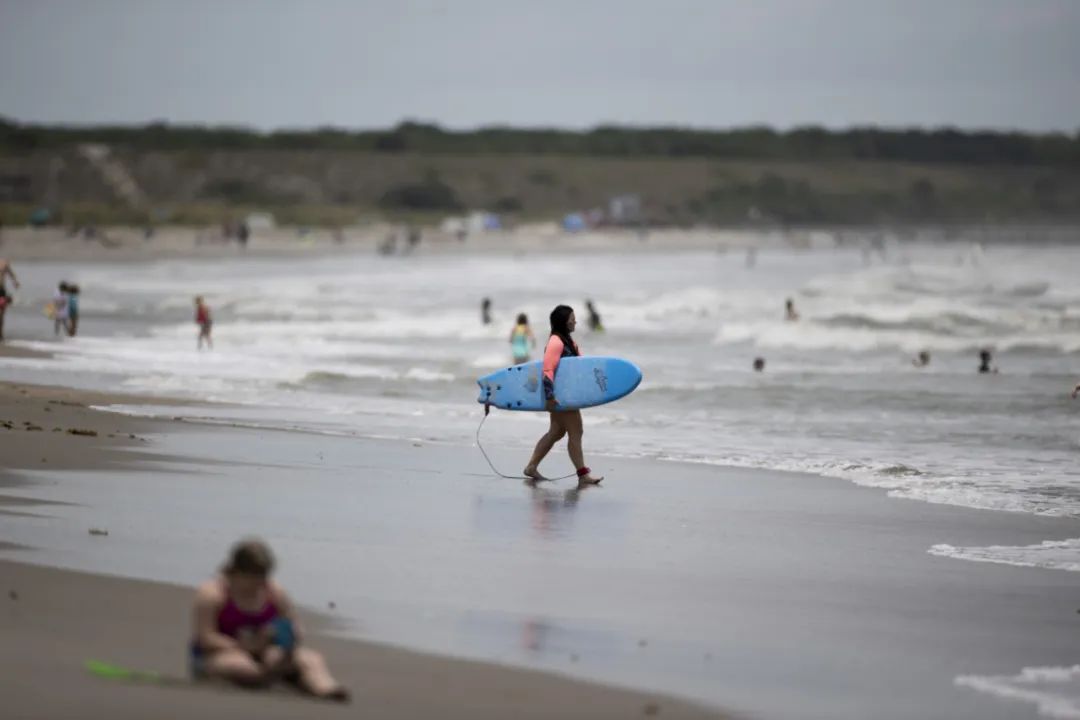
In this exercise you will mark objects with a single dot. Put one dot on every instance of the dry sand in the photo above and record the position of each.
(116, 244)
(52, 621)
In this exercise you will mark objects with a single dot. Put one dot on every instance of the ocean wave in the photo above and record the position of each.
(961, 284)
(1052, 554)
(903, 336)
(946, 323)
(1054, 690)
(328, 379)
(905, 481)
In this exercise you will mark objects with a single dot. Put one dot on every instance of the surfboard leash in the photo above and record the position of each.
(487, 411)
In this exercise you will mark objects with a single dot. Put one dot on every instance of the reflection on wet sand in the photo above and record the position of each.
(553, 510)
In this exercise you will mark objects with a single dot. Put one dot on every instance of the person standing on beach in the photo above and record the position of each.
(485, 311)
(72, 309)
(202, 319)
(5, 298)
(59, 311)
(563, 422)
(245, 629)
(521, 339)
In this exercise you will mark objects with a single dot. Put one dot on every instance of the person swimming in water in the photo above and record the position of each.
(790, 314)
(245, 629)
(922, 359)
(522, 339)
(563, 422)
(595, 324)
(759, 364)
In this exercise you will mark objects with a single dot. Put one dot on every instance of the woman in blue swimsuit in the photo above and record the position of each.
(522, 339)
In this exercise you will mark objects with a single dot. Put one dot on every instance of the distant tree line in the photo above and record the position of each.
(944, 145)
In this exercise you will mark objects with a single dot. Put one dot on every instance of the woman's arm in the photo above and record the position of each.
(285, 609)
(208, 602)
(552, 356)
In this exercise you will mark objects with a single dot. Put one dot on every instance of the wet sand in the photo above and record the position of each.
(54, 428)
(53, 620)
(771, 594)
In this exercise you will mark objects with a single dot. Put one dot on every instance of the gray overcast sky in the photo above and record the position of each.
(574, 63)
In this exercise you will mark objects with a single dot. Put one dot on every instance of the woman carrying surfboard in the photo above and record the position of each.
(563, 422)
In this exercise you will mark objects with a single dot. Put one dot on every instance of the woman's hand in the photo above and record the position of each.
(257, 642)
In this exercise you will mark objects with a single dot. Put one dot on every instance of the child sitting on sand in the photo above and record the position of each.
(246, 631)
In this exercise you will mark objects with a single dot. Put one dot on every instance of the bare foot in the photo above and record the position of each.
(589, 480)
(338, 694)
(534, 475)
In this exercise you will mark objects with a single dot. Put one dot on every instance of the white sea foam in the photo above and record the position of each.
(1055, 691)
(1054, 554)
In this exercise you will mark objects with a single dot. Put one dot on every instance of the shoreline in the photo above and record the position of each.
(120, 620)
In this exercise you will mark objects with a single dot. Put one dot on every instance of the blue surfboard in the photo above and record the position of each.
(580, 382)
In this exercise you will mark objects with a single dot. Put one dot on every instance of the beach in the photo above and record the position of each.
(130, 244)
(53, 621)
(796, 543)
(685, 577)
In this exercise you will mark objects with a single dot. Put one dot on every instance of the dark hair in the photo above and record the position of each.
(523, 319)
(560, 319)
(250, 557)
